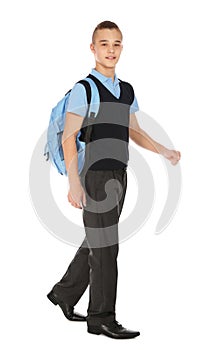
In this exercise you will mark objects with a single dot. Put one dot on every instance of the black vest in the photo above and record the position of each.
(109, 130)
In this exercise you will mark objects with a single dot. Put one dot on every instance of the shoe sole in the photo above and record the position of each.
(97, 331)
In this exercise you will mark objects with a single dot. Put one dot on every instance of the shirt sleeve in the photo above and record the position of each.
(77, 101)
(134, 106)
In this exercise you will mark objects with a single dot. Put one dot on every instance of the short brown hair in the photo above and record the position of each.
(105, 25)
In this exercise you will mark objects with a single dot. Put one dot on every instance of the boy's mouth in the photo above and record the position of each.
(110, 58)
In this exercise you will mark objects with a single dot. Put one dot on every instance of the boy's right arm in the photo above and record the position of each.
(73, 124)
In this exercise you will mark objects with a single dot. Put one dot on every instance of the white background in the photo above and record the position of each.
(164, 286)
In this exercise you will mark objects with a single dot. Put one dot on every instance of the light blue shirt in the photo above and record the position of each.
(77, 102)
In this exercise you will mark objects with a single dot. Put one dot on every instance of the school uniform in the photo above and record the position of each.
(104, 179)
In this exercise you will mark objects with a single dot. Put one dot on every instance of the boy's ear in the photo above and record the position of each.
(92, 47)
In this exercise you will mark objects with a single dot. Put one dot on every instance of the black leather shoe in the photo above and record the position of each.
(113, 330)
(67, 309)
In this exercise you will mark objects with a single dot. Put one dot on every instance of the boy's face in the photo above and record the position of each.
(107, 47)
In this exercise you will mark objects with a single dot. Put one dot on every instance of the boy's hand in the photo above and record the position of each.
(76, 194)
(172, 155)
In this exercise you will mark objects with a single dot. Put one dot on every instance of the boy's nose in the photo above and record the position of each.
(111, 49)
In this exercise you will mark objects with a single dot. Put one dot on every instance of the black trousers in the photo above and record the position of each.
(95, 262)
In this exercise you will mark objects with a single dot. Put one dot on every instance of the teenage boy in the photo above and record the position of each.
(95, 262)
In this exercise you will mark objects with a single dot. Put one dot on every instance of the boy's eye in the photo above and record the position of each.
(116, 44)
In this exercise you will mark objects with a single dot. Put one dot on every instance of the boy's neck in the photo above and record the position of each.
(107, 72)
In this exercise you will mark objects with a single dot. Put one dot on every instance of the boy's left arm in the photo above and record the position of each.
(141, 138)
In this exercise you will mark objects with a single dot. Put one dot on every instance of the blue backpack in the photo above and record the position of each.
(53, 149)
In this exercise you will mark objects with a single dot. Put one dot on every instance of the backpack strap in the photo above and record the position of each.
(93, 106)
(87, 88)
(92, 94)
(95, 98)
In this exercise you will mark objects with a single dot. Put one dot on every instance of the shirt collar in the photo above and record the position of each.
(103, 78)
